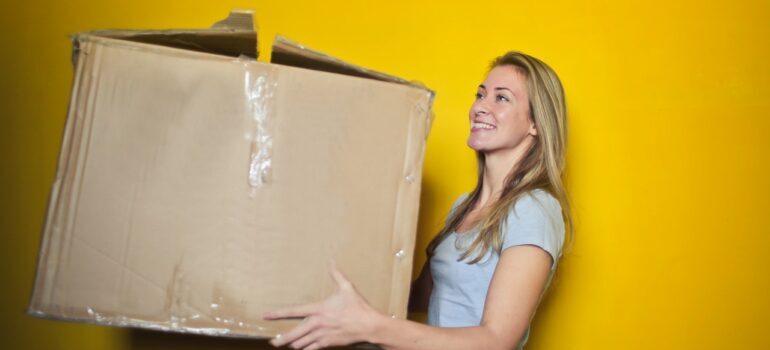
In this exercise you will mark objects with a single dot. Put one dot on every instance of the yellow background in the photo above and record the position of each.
(667, 163)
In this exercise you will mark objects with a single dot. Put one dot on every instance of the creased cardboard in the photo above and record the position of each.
(153, 222)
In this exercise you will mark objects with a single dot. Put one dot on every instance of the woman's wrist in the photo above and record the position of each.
(376, 326)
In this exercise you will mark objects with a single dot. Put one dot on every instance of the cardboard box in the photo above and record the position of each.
(198, 188)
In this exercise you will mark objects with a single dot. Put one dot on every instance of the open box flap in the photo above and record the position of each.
(289, 53)
(233, 36)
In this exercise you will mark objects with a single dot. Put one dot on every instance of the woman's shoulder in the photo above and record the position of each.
(536, 219)
(543, 195)
(538, 197)
(459, 200)
(537, 204)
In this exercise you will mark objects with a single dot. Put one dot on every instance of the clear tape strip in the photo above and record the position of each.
(259, 89)
(230, 327)
(403, 239)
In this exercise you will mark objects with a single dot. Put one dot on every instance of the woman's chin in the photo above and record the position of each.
(476, 145)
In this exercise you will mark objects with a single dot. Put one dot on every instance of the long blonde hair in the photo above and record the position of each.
(540, 168)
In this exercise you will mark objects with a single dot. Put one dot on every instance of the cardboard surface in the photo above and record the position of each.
(153, 221)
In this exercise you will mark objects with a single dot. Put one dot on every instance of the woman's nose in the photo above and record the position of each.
(480, 109)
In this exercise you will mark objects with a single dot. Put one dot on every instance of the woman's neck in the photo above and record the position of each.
(497, 166)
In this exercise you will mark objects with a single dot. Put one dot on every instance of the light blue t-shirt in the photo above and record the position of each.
(460, 289)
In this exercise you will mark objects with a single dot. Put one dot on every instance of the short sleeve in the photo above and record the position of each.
(536, 219)
(457, 202)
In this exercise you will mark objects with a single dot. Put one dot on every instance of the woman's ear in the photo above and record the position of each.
(532, 128)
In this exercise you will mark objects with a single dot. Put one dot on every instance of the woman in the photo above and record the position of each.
(491, 263)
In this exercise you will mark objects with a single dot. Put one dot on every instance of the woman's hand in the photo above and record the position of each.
(343, 318)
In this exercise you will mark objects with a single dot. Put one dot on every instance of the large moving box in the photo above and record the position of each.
(198, 188)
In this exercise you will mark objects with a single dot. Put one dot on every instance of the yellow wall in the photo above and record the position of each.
(668, 158)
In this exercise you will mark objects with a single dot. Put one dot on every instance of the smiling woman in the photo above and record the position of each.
(491, 263)
(500, 116)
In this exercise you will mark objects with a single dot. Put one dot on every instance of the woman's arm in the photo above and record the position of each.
(421, 289)
(345, 317)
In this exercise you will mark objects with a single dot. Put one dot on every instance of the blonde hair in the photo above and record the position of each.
(540, 168)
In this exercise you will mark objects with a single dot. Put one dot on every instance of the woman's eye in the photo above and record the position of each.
(502, 98)
(479, 96)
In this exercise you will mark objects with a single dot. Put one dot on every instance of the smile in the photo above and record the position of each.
(477, 125)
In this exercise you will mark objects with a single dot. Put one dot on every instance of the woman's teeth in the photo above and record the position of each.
(482, 126)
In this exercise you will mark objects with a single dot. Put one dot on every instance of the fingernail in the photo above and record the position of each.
(274, 341)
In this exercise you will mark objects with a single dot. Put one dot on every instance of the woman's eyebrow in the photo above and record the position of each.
(498, 88)
(509, 90)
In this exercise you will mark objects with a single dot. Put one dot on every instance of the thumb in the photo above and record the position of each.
(339, 278)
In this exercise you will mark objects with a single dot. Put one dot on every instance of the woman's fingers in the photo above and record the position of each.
(292, 312)
(306, 326)
(337, 320)
(308, 339)
(339, 277)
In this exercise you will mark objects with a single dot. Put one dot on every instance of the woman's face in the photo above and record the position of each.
(500, 115)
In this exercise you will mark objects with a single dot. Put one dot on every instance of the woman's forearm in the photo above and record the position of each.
(346, 318)
(397, 334)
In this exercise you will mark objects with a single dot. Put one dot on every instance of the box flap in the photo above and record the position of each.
(233, 36)
(290, 53)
